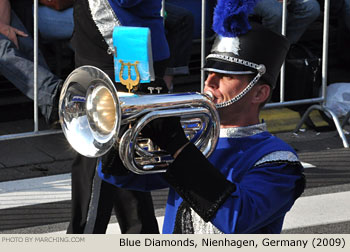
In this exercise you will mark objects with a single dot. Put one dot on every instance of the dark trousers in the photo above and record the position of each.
(179, 25)
(93, 201)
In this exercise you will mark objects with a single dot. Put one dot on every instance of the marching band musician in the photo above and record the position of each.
(252, 179)
(93, 199)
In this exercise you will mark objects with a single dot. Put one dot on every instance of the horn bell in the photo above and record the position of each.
(89, 111)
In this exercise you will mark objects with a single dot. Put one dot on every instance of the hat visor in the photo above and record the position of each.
(224, 67)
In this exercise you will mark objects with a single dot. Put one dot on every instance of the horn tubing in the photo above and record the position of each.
(84, 104)
(127, 143)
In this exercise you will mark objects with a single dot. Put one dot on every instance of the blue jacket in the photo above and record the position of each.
(264, 193)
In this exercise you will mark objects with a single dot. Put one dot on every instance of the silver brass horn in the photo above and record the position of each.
(92, 112)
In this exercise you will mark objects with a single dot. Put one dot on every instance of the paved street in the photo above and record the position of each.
(35, 179)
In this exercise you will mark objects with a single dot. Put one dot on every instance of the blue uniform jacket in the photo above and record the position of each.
(264, 193)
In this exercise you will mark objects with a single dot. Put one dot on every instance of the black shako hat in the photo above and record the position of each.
(257, 50)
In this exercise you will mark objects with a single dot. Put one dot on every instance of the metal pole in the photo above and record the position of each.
(29, 134)
(284, 32)
(325, 50)
(36, 66)
(203, 37)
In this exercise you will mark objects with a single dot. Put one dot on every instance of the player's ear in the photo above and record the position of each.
(262, 93)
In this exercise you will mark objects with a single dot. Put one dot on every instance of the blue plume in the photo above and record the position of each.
(231, 17)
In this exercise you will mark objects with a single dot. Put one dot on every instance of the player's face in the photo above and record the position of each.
(225, 86)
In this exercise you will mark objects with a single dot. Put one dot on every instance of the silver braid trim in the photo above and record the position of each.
(278, 156)
(202, 227)
(259, 67)
(241, 94)
(105, 19)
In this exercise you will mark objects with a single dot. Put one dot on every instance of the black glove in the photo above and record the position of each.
(198, 182)
(112, 164)
(167, 133)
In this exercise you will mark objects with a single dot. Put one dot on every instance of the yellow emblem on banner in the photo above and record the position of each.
(129, 82)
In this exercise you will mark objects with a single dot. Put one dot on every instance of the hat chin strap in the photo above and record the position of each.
(260, 68)
(241, 94)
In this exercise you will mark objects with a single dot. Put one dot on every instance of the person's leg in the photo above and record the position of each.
(93, 200)
(26, 44)
(270, 12)
(135, 212)
(17, 66)
(55, 25)
(179, 24)
(301, 13)
(83, 173)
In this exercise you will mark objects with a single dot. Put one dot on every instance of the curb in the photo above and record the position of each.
(284, 119)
